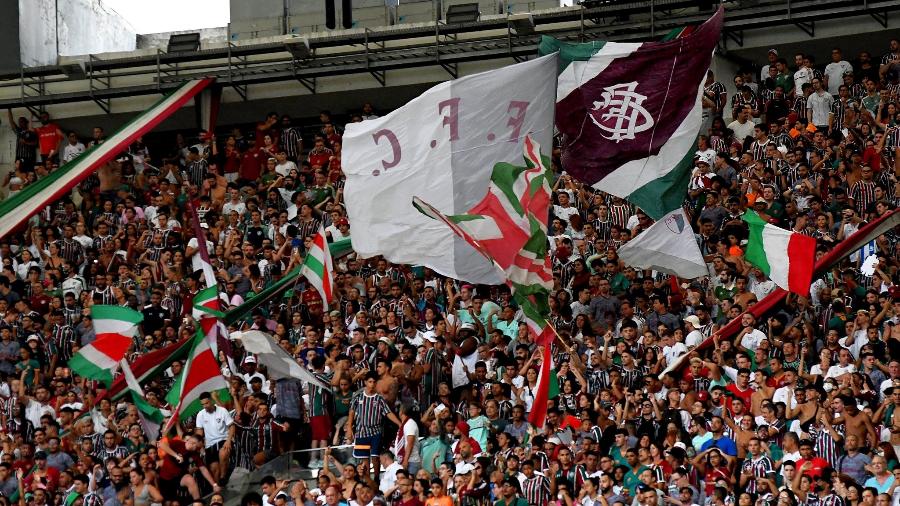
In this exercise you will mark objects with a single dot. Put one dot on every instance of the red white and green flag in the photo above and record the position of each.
(318, 269)
(201, 374)
(786, 257)
(509, 228)
(17, 209)
(151, 418)
(547, 388)
(207, 303)
(115, 328)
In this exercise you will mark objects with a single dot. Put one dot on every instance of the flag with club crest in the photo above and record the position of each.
(115, 328)
(629, 113)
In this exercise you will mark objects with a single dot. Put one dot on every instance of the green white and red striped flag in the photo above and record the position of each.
(201, 374)
(547, 388)
(788, 258)
(17, 209)
(317, 267)
(207, 303)
(509, 228)
(115, 328)
(151, 418)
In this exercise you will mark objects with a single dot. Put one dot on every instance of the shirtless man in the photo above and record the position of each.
(386, 385)
(742, 296)
(855, 422)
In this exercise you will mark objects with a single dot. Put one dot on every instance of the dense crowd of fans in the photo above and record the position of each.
(797, 408)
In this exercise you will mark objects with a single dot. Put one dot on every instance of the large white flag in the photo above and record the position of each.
(669, 246)
(442, 147)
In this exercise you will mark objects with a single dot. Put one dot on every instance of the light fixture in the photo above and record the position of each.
(462, 13)
(522, 24)
(298, 47)
(184, 42)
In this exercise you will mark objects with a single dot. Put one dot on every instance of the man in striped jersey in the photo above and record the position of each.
(757, 466)
(535, 487)
(365, 423)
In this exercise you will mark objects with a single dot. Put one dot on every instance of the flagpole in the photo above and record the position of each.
(222, 340)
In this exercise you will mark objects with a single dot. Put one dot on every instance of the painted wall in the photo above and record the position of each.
(78, 27)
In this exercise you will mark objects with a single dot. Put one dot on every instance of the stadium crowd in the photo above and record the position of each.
(797, 408)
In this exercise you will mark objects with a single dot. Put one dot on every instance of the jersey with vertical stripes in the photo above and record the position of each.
(369, 412)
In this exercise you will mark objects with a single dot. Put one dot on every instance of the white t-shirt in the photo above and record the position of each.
(389, 477)
(835, 74)
(802, 76)
(693, 339)
(673, 352)
(820, 104)
(285, 168)
(215, 425)
(741, 130)
(410, 428)
(838, 370)
(752, 339)
(781, 395)
(564, 213)
(196, 261)
(229, 206)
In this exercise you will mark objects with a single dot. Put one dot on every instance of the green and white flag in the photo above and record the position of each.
(151, 418)
(115, 328)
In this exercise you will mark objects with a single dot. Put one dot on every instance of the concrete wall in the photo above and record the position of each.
(37, 32)
(78, 27)
(87, 27)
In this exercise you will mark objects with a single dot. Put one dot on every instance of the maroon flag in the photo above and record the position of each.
(630, 112)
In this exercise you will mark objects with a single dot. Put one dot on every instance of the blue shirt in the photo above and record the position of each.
(723, 443)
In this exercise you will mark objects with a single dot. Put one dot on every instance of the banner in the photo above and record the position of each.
(442, 147)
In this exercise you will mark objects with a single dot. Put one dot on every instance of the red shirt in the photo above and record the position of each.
(170, 468)
(312, 299)
(743, 395)
(50, 478)
(251, 164)
(232, 162)
(48, 138)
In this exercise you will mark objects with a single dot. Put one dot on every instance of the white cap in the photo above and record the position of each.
(464, 468)
(705, 158)
(693, 320)
(429, 336)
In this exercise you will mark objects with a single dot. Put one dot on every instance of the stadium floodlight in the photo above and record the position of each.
(462, 13)
(522, 24)
(298, 47)
(183, 42)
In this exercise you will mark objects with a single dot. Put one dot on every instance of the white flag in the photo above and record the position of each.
(442, 147)
(667, 246)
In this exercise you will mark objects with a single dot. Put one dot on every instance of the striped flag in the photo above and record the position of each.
(151, 418)
(209, 303)
(17, 209)
(547, 388)
(786, 257)
(870, 248)
(318, 269)
(151, 365)
(337, 249)
(201, 374)
(115, 328)
(509, 228)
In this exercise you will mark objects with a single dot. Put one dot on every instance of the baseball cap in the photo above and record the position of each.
(464, 468)
(249, 359)
(693, 320)
(774, 51)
